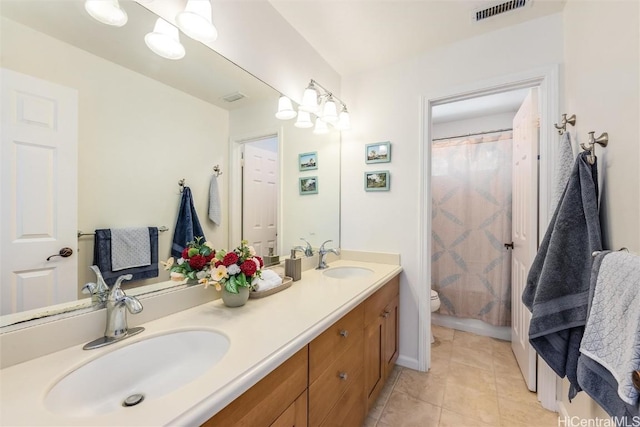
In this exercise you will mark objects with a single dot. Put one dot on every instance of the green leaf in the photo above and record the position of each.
(231, 285)
(205, 251)
(241, 280)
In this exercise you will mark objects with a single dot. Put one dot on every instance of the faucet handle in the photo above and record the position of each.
(323, 243)
(308, 252)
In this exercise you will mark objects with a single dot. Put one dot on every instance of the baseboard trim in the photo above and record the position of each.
(408, 362)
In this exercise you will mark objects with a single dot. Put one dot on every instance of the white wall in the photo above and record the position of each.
(137, 138)
(385, 105)
(602, 75)
(315, 217)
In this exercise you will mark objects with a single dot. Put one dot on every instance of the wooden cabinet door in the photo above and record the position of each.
(391, 322)
(295, 415)
(373, 360)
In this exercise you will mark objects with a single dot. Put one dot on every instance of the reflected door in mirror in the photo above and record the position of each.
(260, 195)
(39, 192)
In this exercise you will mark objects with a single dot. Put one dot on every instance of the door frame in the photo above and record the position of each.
(235, 182)
(547, 80)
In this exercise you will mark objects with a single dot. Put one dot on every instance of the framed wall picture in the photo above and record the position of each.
(376, 181)
(308, 185)
(308, 161)
(380, 152)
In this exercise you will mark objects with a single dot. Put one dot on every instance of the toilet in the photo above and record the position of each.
(435, 305)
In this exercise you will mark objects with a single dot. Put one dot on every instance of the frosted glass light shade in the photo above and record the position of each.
(195, 21)
(165, 40)
(106, 11)
(285, 109)
(309, 100)
(321, 127)
(304, 120)
(330, 112)
(344, 121)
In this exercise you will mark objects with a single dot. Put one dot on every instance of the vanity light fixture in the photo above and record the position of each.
(106, 11)
(164, 40)
(285, 109)
(195, 21)
(320, 102)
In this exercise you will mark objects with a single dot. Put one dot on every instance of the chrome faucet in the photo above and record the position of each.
(308, 250)
(322, 255)
(98, 291)
(117, 304)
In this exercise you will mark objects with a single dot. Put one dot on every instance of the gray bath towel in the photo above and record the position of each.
(564, 164)
(215, 211)
(612, 333)
(557, 290)
(130, 247)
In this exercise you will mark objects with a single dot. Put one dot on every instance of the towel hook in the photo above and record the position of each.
(602, 140)
(216, 170)
(181, 184)
(562, 127)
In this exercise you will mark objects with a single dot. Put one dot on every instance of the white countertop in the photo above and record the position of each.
(263, 334)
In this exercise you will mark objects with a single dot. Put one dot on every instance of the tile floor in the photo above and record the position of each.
(474, 381)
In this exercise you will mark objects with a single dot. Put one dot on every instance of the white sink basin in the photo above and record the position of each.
(347, 272)
(151, 367)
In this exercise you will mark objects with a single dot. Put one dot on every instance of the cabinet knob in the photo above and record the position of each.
(385, 314)
(344, 333)
(343, 376)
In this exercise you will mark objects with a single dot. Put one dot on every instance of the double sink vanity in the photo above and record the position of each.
(317, 353)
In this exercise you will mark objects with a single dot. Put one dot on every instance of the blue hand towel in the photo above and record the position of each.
(102, 257)
(557, 289)
(187, 226)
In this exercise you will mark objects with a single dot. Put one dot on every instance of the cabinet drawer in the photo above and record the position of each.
(375, 304)
(295, 415)
(334, 381)
(330, 345)
(350, 409)
(263, 403)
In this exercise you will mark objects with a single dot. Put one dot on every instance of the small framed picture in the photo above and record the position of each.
(308, 161)
(308, 185)
(376, 181)
(380, 152)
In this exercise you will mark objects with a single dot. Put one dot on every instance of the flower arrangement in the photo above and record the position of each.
(194, 263)
(236, 268)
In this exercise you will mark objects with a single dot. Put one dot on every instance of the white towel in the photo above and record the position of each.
(215, 213)
(269, 280)
(130, 247)
(612, 333)
(564, 164)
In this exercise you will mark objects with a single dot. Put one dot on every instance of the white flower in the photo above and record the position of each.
(180, 261)
(233, 269)
(176, 277)
(252, 251)
(167, 265)
(202, 274)
(219, 273)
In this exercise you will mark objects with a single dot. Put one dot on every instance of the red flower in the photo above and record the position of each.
(260, 261)
(211, 256)
(185, 253)
(248, 268)
(230, 258)
(218, 263)
(197, 262)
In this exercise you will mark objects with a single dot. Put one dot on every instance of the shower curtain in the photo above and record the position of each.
(471, 222)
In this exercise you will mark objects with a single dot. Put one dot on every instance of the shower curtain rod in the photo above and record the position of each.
(472, 134)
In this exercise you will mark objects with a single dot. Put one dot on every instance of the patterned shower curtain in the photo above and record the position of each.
(471, 217)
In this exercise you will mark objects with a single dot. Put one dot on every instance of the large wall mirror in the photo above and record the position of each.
(145, 123)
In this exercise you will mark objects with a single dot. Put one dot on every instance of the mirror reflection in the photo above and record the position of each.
(143, 124)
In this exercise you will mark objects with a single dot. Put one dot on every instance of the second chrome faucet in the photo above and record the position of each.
(322, 255)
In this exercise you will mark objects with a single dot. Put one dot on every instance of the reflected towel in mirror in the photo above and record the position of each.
(187, 226)
(215, 212)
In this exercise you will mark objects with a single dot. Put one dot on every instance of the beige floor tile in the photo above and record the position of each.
(481, 405)
(471, 377)
(513, 388)
(441, 333)
(505, 365)
(426, 386)
(452, 419)
(473, 357)
(472, 341)
(370, 422)
(531, 414)
(381, 401)
(501, 346)
(441, 348)
(403, 410)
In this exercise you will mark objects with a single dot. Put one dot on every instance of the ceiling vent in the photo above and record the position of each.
(487, 12)
(235, 96)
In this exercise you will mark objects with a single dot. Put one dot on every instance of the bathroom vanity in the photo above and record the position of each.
(318, 352)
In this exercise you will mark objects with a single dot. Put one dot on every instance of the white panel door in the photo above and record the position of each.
(524, 229)
(38, 215)
(260, 198)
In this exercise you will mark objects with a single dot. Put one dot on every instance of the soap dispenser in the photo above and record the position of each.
(293, 266)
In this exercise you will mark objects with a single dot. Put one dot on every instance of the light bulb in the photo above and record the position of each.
(309, 100)
(344, 121)
(164, 40)
(106, 11)
(285, 109)
(304, 120)
(195, 21)
(329, 112)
